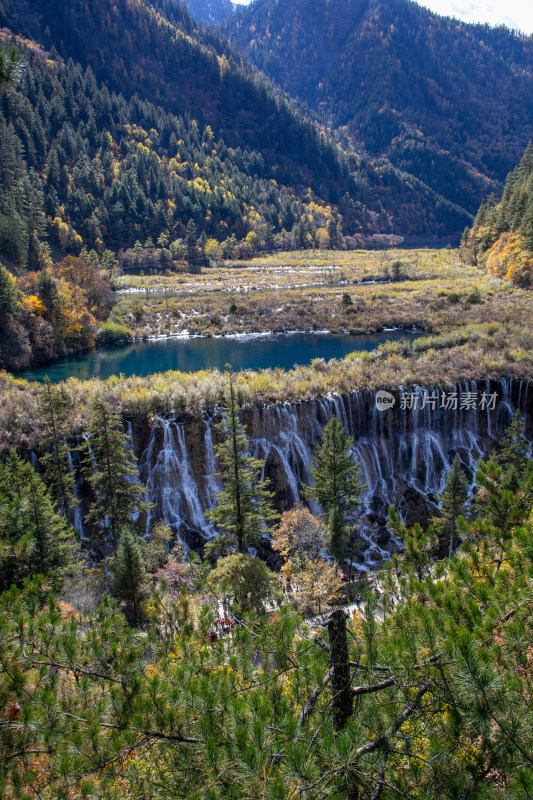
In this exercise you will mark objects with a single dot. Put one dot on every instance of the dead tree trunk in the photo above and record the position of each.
(339, 662)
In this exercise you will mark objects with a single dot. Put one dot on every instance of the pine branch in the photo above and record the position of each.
(70, 668)
(380, 785)
(376, 687)
(380, 742)
(310, 704)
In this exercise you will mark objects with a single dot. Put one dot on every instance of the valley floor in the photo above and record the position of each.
(356, 292)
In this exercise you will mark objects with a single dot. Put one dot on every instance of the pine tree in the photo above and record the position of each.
(109, 262)
(9, 296)
(54, 411)
(437, 692)
(527, 225)
(191, 238)
(337, 533)
(112, 473)
(138, 254)
(334, 233)
(453, 502)
(9, 63)
(34, 538)
(420, 546)
(48, 295)
(129, 576)
(503, 501)
(512, 452)
(243, 507)
(337, 482)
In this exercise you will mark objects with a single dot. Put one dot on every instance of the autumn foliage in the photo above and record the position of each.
(501, 238)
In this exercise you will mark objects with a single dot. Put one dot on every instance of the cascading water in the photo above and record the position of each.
(170, 484)
(77, 512)
(404, 451)
(212, 484)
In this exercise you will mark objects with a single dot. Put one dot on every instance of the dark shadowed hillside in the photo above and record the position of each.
(210, 12)
(162, 123)
(448, 102)
(134, 49)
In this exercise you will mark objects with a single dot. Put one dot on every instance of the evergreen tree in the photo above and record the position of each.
(337, 481)
(512, 452)
(191, 238)
(453, 502)
(333, 233)
(129, 576)
(55, 409)
(438, 692)
(9, 63)
(48, 295)
(503, 500)
(420, 546)
(112, 472)
(337, 533)
(397, 270)
(243, 509)
(138, 253)
(527, 225)
(109, 262)
(34, 538)
(9, 296)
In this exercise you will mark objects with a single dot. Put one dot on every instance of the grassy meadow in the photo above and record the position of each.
(356, 292)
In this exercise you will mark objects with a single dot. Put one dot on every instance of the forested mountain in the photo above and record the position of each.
(134, 49)
(448, 102)
(210, 12)
(82, 166)
(502, 235)
(162, 123)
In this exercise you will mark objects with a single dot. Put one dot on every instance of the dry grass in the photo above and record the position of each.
(305, 291)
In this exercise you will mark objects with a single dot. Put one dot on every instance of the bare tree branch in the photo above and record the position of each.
(380, 785)
(370, 747)
(313, 698)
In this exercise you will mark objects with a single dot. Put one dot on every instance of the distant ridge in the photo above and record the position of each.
(448, 102)
(163, 88)
(210, 12)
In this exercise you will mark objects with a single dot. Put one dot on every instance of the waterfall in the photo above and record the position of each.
(78, 514)
(404, 452)
(212, 484)
(171, 486)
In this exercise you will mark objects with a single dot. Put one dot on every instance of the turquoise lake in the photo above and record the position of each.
(191, 355)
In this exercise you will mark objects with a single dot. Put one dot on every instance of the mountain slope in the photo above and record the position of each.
(157, 54)
(210, 12)
(501, 238)
(133, 49)
(448, 102)
(80, 166)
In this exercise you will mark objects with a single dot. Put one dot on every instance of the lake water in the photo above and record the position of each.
(191, 355)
